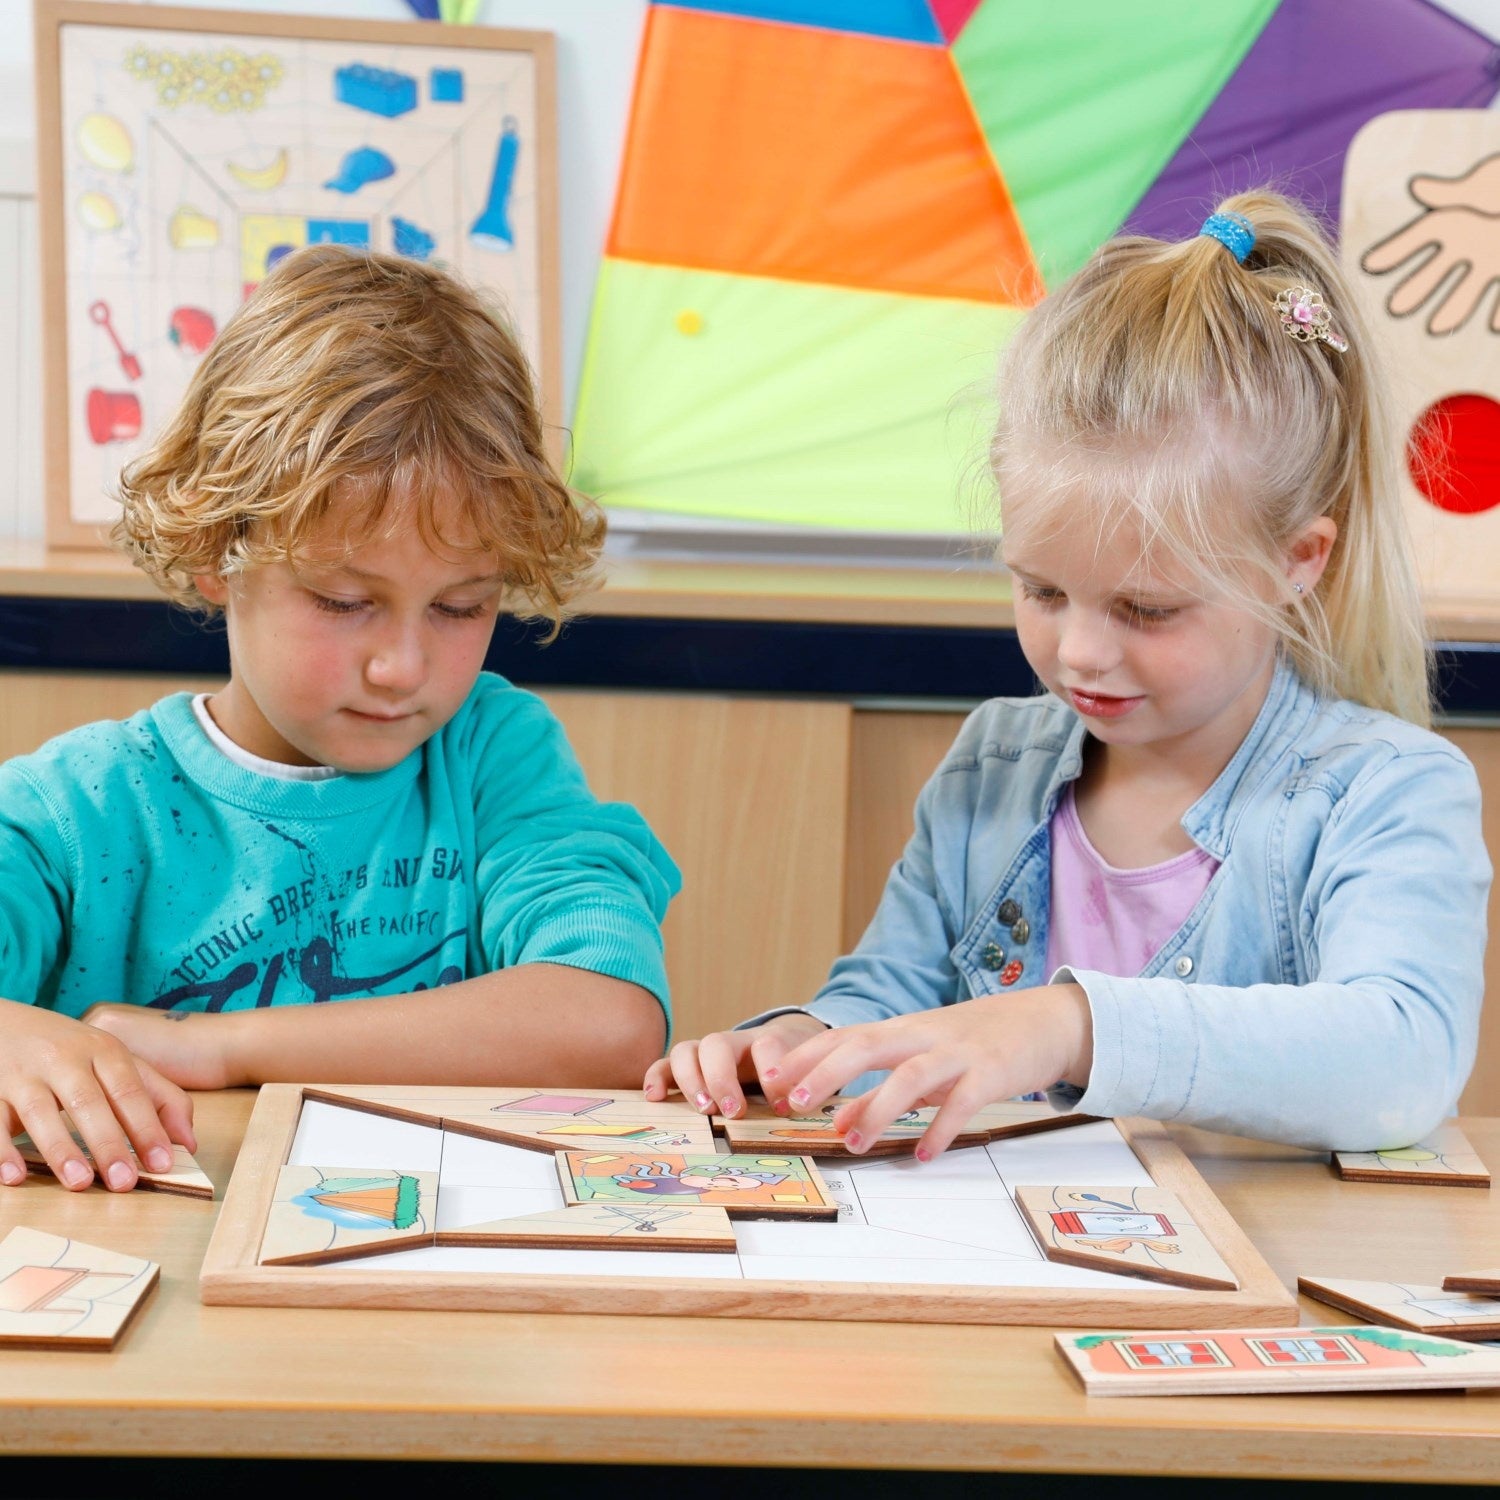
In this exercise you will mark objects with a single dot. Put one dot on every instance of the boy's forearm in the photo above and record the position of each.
(536, 1024)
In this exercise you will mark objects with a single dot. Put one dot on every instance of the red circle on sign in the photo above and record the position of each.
(1454, 454)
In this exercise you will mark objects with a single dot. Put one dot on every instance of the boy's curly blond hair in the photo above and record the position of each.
(358, 372)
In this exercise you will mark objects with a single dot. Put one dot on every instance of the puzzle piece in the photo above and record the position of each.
(1425, 1309)
(186, 1178)
(762, 1186)
(605, 1226)
(323, 1214)
(1443, 1159)
(58, 1293)
(1138, 1231)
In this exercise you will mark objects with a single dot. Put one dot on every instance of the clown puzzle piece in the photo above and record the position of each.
(760, 1128)
(1238, 1361)
(744, 1185)
(1424, 1309)
(185, 1178)
(323, 1214)
(57, 1293)
(1443, 1159)
(1137, 1231)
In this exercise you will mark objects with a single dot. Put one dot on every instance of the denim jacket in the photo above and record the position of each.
(1324, 991)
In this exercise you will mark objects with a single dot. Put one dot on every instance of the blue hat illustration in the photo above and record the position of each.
(359, 167)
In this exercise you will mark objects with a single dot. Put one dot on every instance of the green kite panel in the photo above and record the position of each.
(1084, 104)
(745, 398)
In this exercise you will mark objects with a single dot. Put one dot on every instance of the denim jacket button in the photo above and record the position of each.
(1010, 912)
(1184, 966)
(1021, 932)
(993, 956)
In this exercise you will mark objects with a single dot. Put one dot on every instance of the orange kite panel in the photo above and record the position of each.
(813, 155)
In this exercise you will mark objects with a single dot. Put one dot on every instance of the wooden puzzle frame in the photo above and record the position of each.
(231, 1274)
(380, 51)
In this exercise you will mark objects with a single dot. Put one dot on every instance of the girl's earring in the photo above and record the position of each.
(1299, 588)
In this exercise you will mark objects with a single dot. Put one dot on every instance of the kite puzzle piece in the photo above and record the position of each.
(605, 1226)
(58, 1293)
(1474, 1281)
(186, 1178)
(1443, 1159)
(1137, 1231)
(1235, 1361)
(760, 1128)
(744, 1185)
(323, 1214)
(1424, 1309)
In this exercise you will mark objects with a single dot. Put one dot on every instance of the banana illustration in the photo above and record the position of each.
(260, 179)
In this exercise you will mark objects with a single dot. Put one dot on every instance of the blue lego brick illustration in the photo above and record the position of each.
(379, 90)
(411, 240)
(446, 86)
(338, 232)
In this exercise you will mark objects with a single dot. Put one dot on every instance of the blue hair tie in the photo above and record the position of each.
(1233, 232)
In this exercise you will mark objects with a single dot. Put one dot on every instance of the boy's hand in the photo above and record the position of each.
(961, 1057)
(51, 1063)
(188, 1047)
(709, 1072)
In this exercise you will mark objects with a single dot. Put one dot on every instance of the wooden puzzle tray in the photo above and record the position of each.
(485, 1186)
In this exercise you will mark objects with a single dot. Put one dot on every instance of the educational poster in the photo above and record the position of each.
(193, 161)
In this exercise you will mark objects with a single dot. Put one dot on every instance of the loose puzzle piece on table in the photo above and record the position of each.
(1138, 1231)
(1234, 1361)
(1443, 1159)
(1424, 1309)
(59, 1293)
(760, 1128)
(605, 1226)
(1474, 1281)
(547, 1120)
(185, 1178)
(325, 1214)
(743, 1184)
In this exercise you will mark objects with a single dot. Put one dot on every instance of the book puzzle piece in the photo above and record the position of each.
(1235, 1361)
(1424, 1309)
(743, 1184)
(1135, 1231)
(760, 1128)
(538, 1119)
(1443, 1159)
(605, 1226)
(1474, 1281)
(322, 1214)
(186, 1178)
(58, 1293)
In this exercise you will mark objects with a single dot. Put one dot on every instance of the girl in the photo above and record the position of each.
(1223, 872)
(363, 858)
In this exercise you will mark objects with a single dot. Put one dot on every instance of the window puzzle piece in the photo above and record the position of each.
(185, 1178)
(1232, 1361)
(60, 1293)
(1137, 1231)
(605, 1226)
(759, 1186)
(1424, 1309)
(1443, 1159)
(322, 1214)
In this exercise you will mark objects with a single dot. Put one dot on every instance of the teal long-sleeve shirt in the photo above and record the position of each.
(138, 863)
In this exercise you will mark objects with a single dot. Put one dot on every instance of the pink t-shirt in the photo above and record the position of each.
(1114, 921)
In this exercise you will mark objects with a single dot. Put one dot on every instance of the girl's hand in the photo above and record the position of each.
(50, 1064)
(191, 1048)
(961, 1057)
(709, 1072)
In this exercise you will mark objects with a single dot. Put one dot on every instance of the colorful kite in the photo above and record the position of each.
(831, 213)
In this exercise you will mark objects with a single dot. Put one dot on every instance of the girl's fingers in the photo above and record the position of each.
(92, 1112)
(768, 1052)
(684, 1060)
(847, 1053)
(962, 1104)
(719, 1057)
(865, 1119)
(658, 1080)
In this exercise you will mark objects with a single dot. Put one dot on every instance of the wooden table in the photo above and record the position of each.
(194, 1380)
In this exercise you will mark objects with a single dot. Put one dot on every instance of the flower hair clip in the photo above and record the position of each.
(1304, 318)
